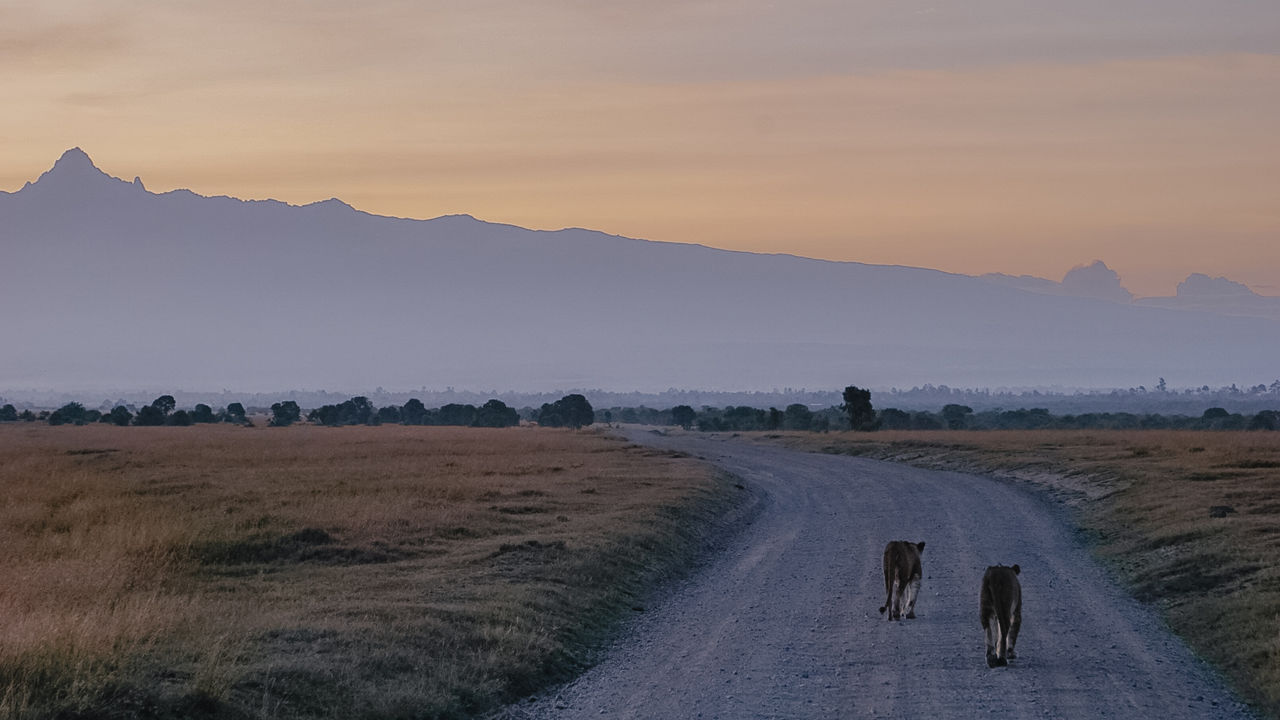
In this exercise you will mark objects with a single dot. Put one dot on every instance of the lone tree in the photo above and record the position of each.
(413, 412)
(1265, 420)
(857, 405)
(572, 411)
(165, 404)
(684, 416)
(235, 414)
(149, 415)
(496, 414)
(72, 413)
(284, 414)
(462, 414)
(797, 417)
(120, 415)
(956, 416)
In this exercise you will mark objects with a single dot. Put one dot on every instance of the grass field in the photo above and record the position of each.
(362, 572)
(1189, 520)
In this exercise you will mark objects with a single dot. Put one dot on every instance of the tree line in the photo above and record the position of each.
(857, 413)
(161, 411)
(572, 411)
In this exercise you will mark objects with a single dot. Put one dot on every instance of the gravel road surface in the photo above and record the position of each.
(784, 622)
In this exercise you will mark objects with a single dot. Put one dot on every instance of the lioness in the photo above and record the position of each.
(901, 578)
(1001, 612)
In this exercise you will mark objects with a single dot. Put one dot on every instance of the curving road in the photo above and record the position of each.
(783, 624)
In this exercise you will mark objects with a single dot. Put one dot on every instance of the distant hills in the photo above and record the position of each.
(106, 285)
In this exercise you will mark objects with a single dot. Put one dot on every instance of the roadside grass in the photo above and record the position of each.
(363, 572)
(1190, 520)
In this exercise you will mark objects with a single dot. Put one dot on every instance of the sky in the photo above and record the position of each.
(972, 136)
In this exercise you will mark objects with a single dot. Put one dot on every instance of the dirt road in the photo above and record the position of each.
(784, 623)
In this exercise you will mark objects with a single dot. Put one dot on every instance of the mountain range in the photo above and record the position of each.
(107, 285)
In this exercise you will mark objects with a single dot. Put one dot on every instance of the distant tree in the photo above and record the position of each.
(27, 416)
(284, 414)
(457, 414)
(571, 411)
(925, 421)
(1265, 420)
(70, 414)
(797, 416)
(1215, 413)
(165, 404)
(496, 414)
(8, 413)
(120, 415)
(1234, 421)
(235, 414)
(857, 405)
(578, 411)
(325, 415)
(682, 415)
(548, 417)
(389, 414)
(956, 416)
(357, 411)
(413, 412)
(149, 416)
(181, 418)
(202, 414)
(895, 419)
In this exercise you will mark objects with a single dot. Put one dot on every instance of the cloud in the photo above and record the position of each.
(30, 41)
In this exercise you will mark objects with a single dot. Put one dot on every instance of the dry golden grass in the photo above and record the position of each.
(323, 572)
(1190, 519)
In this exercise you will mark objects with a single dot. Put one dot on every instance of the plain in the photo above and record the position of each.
(381, 572)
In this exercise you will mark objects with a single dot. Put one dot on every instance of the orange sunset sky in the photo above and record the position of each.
(976, 136)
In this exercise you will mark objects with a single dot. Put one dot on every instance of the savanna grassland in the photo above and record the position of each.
(357, 572)
(1189, 520)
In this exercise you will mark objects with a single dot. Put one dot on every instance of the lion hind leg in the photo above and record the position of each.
(1014, 625)
(895, 599)
(913, 592)
(991, 624)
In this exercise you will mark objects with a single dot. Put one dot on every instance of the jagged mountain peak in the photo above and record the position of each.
(73, 162)
(75, 169)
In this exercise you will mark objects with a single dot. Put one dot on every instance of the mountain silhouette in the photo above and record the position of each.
(109, 285)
